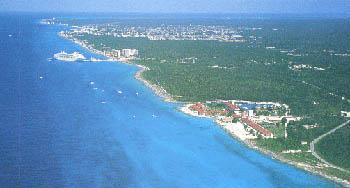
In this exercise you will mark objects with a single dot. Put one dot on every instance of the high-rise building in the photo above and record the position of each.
(126, 52)
(116, 53)
(129, 52)
(134, 52)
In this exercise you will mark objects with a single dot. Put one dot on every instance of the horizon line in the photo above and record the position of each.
(176, 12)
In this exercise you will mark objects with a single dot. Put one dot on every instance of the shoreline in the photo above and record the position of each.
(165, 96)
(158, 90)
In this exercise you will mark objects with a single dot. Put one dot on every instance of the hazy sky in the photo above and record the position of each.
(212, 6)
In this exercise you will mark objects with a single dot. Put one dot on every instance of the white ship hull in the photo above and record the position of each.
(63, 56)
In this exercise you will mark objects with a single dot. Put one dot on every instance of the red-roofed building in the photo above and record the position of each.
(231, 106)
(261, 130)
(199, 108)
(236, 116)
(223, 112)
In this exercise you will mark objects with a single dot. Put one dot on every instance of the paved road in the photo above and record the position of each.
(312, 147)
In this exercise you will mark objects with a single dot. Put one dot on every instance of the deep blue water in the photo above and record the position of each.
(55, 132)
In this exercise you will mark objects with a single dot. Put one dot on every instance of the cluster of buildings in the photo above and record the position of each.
(164, 32)
(258, 128)
(343, 55)
(244, 112)
(123, 53)
(203, 110)
(304, 66)
(106, 51)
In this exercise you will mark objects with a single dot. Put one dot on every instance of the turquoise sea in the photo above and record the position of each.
(66, 125)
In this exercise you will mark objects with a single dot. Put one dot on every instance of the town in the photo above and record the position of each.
(164, 32)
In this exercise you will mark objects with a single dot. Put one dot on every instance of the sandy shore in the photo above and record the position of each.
(236, 133)
(236, 129)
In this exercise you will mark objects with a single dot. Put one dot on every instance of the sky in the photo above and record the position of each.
(179, 6)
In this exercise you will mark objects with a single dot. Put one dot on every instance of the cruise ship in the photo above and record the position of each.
(63, 56)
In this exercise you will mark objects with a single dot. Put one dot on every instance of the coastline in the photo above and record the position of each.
(162, 93)
(158, 90)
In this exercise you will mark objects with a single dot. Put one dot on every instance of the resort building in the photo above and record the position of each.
(231, 107)
(250, 113)
(116, 53)
(199, 108)
(129, 52)
(258, 128)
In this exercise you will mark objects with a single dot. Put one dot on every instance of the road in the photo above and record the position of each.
(314, 142)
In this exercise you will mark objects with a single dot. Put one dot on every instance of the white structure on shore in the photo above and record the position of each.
(117, 53)
(129, 52)
(123, 53)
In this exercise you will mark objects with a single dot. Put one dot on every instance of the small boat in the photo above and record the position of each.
(120, 92)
